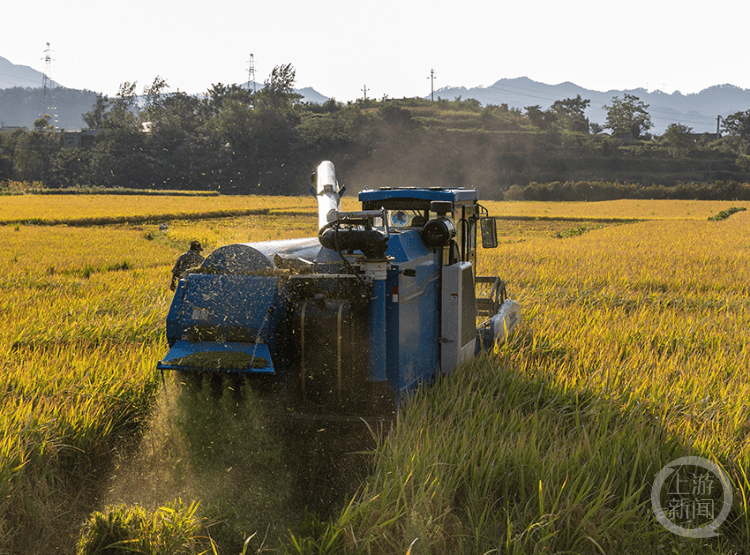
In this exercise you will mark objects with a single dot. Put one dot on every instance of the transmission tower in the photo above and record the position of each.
(251, 73)
(48, 88)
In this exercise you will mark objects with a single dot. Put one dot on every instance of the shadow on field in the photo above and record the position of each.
(255, 467)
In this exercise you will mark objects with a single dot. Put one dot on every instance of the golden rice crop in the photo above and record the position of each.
(81, 327)
(217, 232)
(81, 317)
(625, 209)
(633, 352)
(34, 251)
(92, 209)
(655, 311)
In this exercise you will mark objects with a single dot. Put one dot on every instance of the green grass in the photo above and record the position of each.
(494, 460)
(172, 529)
(724, 214)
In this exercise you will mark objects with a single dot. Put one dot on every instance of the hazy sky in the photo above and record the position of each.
(340, 46)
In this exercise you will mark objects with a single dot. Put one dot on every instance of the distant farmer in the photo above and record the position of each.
(191, 259)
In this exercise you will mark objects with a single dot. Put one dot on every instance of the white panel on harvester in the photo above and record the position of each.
(458, 316)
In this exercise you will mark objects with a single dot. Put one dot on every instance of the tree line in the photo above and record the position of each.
(234, 140)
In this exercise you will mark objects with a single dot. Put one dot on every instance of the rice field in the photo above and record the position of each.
(626, 209)
(83, 209)
(633, 352)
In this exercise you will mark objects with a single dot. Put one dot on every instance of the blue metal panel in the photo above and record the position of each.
(250, 303)
(452, 195)
(412, 313)
(183, 349)
(419, 330)
(405, 246)
(392, 331)
(377, 341)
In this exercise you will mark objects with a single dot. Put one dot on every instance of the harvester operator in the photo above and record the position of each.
(191, 259)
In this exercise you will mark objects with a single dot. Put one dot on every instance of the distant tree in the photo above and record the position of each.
(34, 150)
(119, 112)
(330, 106)
(214, 99)
(258, 136)
(173, 120)
(396, 115)
(6, 157)
(126, 99)
(278, 91)
(737, 127)
(679, 139)
(118, 158)
(70, 167)
(471, 104)
(628, 115)
(571, 113)
(95, 117)
(42, 124)
(539, 118)
(154, 91)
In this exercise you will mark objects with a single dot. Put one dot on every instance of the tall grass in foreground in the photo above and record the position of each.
(633, 352)
(173, 529)
(80, 327)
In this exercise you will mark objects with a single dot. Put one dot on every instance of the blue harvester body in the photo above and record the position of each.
(382, 300)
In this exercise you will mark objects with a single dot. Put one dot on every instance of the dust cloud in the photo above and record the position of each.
(247, 460)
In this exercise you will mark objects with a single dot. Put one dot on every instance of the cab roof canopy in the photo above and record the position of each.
(412, 198)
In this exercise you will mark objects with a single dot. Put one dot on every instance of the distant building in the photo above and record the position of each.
(79, 139)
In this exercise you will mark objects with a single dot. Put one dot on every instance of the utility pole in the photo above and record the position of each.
(432, 85)
(364, 90)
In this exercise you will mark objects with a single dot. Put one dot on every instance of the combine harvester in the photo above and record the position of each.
(384, 299)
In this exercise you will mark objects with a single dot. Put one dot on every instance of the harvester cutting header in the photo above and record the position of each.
(383, 299)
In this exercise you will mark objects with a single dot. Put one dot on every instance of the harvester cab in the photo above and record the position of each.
(382, 300)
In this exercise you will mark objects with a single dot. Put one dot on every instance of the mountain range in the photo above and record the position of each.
(696, 110)
(12, 75)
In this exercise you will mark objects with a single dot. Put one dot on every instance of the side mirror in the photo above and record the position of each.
(489, 232)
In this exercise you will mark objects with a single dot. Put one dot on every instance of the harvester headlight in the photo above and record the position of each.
(399, 218)
(438, 232)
